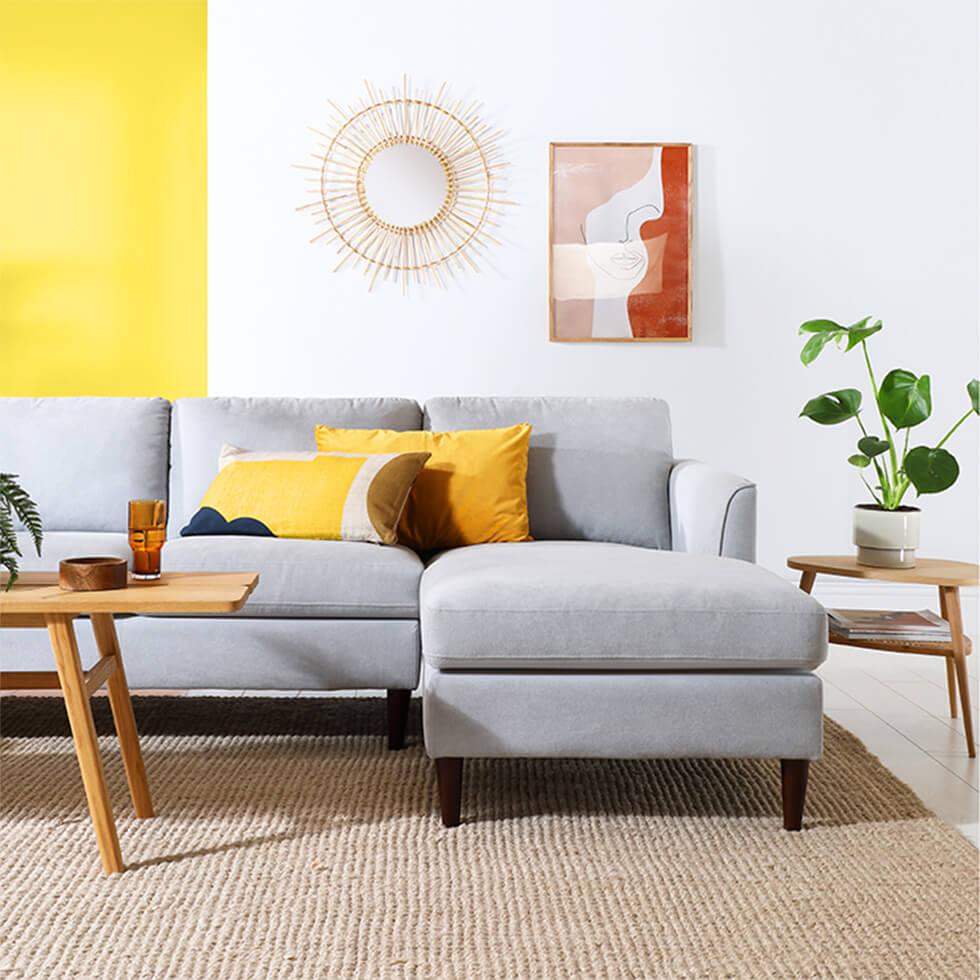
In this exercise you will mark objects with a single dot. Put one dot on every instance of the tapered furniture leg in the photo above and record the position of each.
(794, 776)
(950, 666)
(963, 682)
(807, 579)
(72, 678)
(951, 686)
(449, 776)
(122, 714)
(950, 598)
(398, 705)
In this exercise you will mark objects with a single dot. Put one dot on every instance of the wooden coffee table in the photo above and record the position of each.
(948, 577)
(36, 601)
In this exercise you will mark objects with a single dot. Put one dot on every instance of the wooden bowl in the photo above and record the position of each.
(93, 574)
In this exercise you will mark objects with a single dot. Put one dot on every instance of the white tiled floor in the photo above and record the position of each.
(898, 706)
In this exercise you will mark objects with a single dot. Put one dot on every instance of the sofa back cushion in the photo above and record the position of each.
(598, 468)
(82, 459)
(202, 425)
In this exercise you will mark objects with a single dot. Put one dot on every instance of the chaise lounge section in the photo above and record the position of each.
(620, 646)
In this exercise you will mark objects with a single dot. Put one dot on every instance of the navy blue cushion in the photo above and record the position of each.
(208, 521)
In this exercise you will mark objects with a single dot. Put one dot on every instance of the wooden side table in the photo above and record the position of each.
(36, 601)
(948, 577)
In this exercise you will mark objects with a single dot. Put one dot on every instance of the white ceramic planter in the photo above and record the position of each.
(886, 538)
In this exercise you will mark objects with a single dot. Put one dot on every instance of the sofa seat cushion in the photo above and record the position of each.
(575, 605)
(313, 579)
(70, 544)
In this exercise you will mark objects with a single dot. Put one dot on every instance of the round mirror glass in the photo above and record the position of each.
(405, 185)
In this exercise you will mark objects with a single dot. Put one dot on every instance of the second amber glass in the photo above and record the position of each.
(147, 533)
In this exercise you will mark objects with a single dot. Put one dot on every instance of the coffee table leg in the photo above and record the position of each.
(107, 641)
(951, 600)
(72, 678)
(806, 581)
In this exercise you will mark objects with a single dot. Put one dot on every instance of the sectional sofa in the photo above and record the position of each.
(635, 624)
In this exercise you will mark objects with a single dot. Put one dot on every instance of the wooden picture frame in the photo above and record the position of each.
(608, 280)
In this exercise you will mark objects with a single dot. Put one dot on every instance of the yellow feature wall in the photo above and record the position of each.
(103, 197)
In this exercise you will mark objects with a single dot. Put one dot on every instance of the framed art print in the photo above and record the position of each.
(620, 242)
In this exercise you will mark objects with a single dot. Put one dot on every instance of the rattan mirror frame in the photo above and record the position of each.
(466, 147)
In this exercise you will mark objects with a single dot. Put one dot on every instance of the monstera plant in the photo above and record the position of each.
(14, 501)
(886, 531)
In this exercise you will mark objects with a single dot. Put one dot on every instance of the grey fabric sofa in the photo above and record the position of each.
(326, 615)
(635, 624)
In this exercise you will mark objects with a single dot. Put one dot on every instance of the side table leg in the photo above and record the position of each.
(951, 686)
(806, 581)
(951, 595)
(107, 641)
(950, 665)
(62, 635)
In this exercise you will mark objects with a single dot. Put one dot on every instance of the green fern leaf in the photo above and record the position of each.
(8, 537)
(17, 499)
(8, 561)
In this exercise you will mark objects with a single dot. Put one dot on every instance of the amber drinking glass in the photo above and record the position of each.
(147, 533)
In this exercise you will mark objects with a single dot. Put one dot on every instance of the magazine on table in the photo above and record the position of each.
(923, 626)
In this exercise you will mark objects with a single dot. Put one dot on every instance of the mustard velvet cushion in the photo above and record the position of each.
(473, 489)
(328, 496)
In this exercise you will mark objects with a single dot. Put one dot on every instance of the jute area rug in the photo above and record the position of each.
(289, 843)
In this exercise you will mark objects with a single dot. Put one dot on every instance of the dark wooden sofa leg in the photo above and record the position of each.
(398, 704)
(794, 775)
(449, 776)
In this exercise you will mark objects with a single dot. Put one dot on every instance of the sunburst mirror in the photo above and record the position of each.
(408, 185)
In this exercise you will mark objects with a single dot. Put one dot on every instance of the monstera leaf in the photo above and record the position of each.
(824, 331)
(872, 446)
(905, 399)
(860, 331)
(833, 407)
(931, 470)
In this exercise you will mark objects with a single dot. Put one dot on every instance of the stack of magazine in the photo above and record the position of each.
(885, 624)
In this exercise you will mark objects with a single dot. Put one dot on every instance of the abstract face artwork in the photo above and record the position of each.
(620, 241)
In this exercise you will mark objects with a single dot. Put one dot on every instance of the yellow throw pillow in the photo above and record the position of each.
(473, 488)
(329, 496)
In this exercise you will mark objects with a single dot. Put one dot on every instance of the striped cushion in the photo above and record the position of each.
(326, 496)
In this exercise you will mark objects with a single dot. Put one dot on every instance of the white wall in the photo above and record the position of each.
(835, 175)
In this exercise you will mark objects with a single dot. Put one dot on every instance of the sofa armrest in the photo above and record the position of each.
(711, 512)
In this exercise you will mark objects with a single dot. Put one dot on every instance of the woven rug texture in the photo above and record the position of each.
(289, 843)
